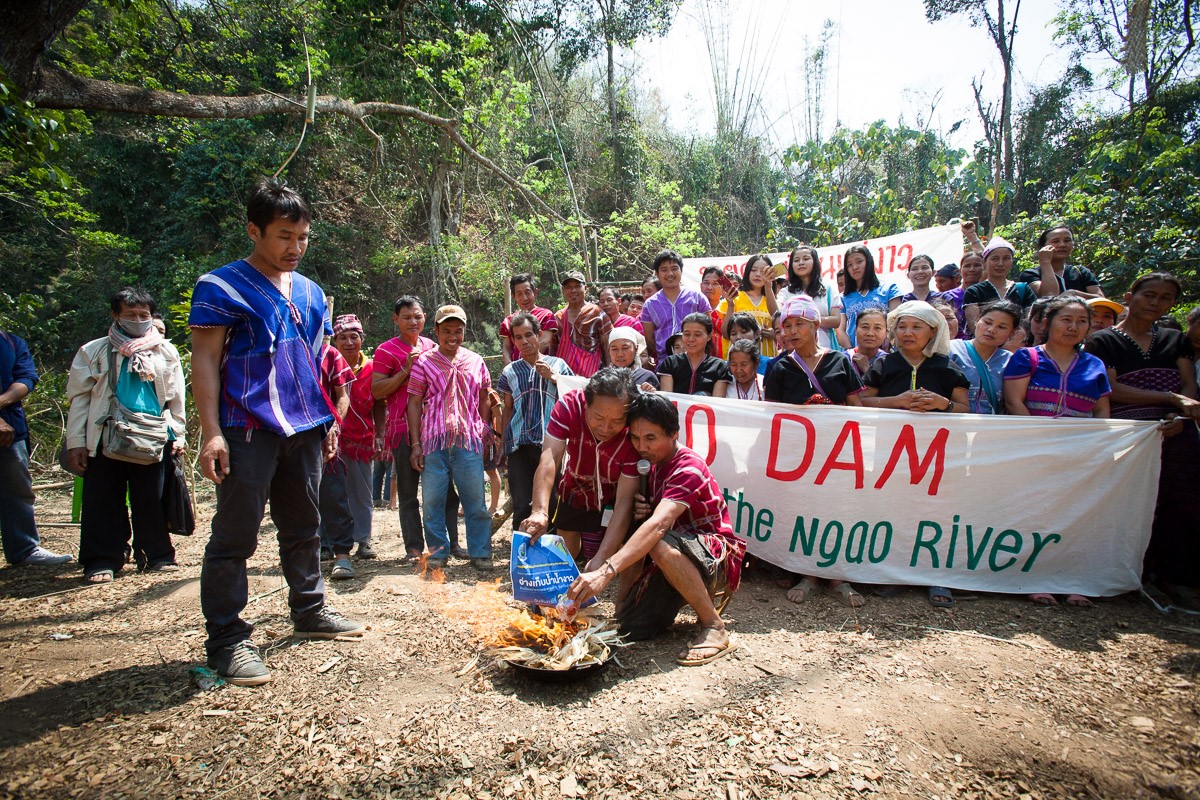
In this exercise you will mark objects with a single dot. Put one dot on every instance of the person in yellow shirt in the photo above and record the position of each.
(756, 296)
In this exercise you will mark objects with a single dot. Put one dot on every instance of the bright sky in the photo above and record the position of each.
(886, 62)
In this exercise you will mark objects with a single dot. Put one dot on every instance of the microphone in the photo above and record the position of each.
(643, 468)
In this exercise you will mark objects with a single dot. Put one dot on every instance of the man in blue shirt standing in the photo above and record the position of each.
(17, 528)
(257, 331)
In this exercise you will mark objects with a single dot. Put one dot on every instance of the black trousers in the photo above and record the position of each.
(286, 471)
(522, 464)
(408, 485)
(337, 520)
(105, 527)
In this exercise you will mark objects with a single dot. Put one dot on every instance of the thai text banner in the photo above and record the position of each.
(944, 244)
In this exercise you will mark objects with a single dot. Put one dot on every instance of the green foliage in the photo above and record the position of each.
(1135, 207)
(90, 202)
(29, 138)
(873, 182)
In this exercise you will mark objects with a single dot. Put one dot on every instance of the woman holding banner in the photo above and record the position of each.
(804, 277)
(1057, 379)
(918, 376)
(984, 358)
(862, 289)
(812, 375)
(1153, 378)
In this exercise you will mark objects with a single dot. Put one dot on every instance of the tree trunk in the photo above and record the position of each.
(618, 167)
(27, 27)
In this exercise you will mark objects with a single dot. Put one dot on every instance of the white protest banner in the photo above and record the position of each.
(944, 244)
(978, 502)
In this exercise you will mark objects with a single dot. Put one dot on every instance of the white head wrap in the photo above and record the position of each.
(919, 309)
(627, 334)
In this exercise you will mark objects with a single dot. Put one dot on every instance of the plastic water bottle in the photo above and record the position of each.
(566, 609)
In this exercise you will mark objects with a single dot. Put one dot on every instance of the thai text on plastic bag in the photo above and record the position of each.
(543, 571)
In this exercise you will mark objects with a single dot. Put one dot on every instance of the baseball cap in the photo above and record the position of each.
(449, 312)
(1104, 302)
(573, 275)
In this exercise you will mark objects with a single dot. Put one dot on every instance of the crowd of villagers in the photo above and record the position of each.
(298, 411)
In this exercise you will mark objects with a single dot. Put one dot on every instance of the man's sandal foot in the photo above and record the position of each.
(100, 576)
(803, 590)
(1042, 599)
(703, 651)
(1078, 600)
(940, 597)
(848, 595)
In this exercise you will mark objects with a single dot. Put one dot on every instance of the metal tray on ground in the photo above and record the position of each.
(558, 675)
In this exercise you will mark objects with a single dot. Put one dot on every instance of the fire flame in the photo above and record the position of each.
(485, 608)
(435, 575)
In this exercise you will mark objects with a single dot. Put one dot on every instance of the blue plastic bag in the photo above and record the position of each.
(542, 572)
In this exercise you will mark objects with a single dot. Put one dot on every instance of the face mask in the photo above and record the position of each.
(136, 328)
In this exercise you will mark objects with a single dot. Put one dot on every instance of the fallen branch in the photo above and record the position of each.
(61, 591)
(59, 485)
(969, 633)
(258, 774)
(56, 88)
(267, 593)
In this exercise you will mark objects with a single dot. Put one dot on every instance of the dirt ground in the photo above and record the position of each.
(995, 698)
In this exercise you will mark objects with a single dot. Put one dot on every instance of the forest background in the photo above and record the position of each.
(457, 142)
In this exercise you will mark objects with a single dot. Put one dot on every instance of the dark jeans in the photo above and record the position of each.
(17, 528)
(381, 479)
(522, 464)
(286, 472)
(408, 483)
(105, 525)
(337, 520)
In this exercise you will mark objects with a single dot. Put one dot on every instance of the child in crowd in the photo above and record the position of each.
(635, 306)
(493, 450)
(741, 325)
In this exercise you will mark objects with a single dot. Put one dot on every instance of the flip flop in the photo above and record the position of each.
(717, 651)
(1078, 600)
(100, 576)
(804, 589)
(940, 597)
(847, 594)
(1042, 599)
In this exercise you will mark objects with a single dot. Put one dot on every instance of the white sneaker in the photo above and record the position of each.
(43, 557)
